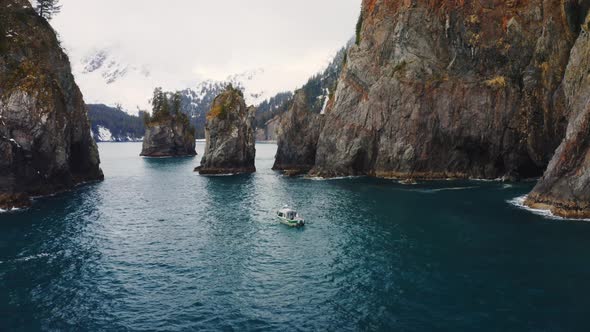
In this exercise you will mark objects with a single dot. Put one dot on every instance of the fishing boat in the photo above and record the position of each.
(290, 217)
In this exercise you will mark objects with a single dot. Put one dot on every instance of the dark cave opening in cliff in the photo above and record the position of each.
(575, 13)
(79, 159)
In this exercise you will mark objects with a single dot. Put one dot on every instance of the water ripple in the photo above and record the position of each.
(158, 247)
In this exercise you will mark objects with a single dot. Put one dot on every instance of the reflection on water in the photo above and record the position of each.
(158, 247)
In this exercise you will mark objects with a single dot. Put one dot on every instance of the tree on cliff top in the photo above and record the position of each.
(47, 8)
(176, 102)
(165, 107)
(160, 106)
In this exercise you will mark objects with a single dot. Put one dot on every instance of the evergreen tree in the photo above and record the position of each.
(48, 8)
(159, 106)
(176, 102)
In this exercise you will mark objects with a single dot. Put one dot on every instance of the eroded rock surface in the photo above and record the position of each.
(298, 135)
(45, 140)
(230, 147)
(451, 89)
(565, 187)
(172, 137)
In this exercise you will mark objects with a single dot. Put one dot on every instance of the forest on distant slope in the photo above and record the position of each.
(121, 124)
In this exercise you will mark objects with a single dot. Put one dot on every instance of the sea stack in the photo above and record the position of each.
(565, 187)
(451, 89)
(45, 140)
(229, 131)
(298, 134)
(168, 132)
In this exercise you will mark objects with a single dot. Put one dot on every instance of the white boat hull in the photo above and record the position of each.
(292, 223)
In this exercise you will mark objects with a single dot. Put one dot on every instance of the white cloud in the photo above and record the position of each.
(186, 41)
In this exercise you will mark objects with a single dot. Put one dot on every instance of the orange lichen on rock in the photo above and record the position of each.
(496, 82)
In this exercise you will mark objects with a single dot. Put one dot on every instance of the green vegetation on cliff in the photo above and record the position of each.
(225, 102)
(166, 107)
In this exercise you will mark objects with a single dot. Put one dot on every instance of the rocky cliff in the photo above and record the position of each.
(169, 138)
(298, 135)
(168, 132)
(565, 187)
(45, 141)
(451, 89)
(229, 131)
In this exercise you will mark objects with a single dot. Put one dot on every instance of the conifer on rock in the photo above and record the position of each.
(47, 8)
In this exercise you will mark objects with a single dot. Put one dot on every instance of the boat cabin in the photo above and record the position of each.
(287, 213)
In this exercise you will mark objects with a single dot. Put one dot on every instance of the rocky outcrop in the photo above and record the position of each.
(168, 132)
(45, 141)
(451, 89)
(229, 131)
(169, 137)
(298, 136)
(565, 187)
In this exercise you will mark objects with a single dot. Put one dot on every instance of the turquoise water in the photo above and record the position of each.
(157, 247)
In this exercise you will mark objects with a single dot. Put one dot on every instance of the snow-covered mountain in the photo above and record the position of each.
(101, 62)
(102, 68)
(196, 101)
(105, 77)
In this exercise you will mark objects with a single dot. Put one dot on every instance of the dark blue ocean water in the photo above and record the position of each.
(158, 247)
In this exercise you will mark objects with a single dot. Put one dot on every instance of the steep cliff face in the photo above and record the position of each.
(565, 187)
(451, 89)
(298, 136)
(45, 141)
(229, 131)
(169, 137)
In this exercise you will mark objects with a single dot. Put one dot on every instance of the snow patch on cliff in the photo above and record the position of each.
(104, 134)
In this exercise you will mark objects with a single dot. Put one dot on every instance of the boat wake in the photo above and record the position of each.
(27, 258)
(317, 178)
(432, 191)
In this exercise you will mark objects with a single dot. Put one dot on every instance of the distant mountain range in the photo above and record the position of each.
(112, 79)
(113, 124)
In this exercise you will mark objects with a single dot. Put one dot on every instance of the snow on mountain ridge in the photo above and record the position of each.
(108, 75)
(110, 69)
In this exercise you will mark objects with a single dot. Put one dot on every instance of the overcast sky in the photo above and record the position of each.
(182, 42)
